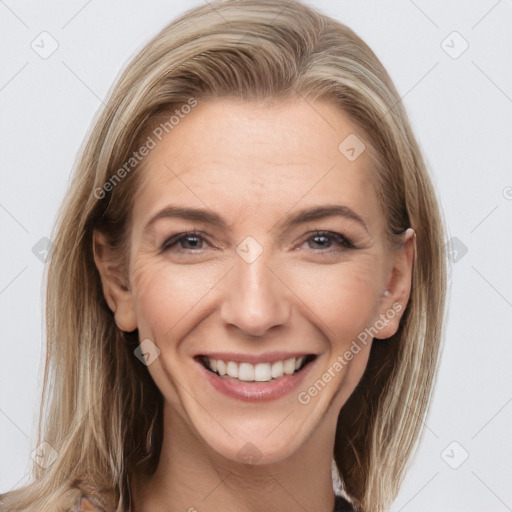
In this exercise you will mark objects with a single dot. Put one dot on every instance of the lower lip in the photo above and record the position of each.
(256, 391)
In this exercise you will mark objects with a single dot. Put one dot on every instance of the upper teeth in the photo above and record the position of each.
(260, 372)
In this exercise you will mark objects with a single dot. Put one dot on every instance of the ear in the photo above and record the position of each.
(398, 286)
(115, 289)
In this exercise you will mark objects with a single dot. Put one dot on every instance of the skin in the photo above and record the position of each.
(254, 165)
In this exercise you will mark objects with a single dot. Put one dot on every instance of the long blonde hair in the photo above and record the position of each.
(100, 410)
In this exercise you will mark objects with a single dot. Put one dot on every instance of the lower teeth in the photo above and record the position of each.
(236, 378)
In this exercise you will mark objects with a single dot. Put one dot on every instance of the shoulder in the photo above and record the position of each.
(342, 505)
(87, 502)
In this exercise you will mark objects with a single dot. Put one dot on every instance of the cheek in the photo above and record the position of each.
(165, 294)
(345, 296)
(341, 298)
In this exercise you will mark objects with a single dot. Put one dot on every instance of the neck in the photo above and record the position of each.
(192, 477)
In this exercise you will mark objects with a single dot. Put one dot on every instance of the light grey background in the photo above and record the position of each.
(460, 105)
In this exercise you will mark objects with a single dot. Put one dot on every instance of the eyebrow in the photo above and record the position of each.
(300, 217)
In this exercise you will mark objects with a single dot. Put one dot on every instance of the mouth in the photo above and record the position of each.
(260, 372)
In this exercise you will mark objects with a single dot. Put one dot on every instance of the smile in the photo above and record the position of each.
(260, 372)
(253, 378)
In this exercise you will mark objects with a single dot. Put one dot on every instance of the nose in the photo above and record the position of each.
(256, 299)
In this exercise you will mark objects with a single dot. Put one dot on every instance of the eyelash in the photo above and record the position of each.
(337, 237)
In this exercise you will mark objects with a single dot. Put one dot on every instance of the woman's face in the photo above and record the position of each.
(287, 261)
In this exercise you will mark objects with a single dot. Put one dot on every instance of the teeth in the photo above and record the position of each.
(232, 369)
(246, 372)
(277, 369)
(289, 366)
(261, 372)
(221, 367)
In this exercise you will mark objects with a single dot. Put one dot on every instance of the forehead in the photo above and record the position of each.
(248, 157)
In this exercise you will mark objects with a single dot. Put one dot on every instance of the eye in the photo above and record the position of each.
(324, 241)
(187, 242)
(193, 241)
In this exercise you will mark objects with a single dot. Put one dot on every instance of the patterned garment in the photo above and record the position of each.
(89, 503)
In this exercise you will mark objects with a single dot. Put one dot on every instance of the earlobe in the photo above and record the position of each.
(398, 288)
(117, 294)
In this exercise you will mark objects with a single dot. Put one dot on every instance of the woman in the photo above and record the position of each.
(248, 282)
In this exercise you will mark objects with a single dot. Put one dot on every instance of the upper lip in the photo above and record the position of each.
(268, 357)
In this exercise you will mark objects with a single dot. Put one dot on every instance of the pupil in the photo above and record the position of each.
(194, 241)
(320, 239)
